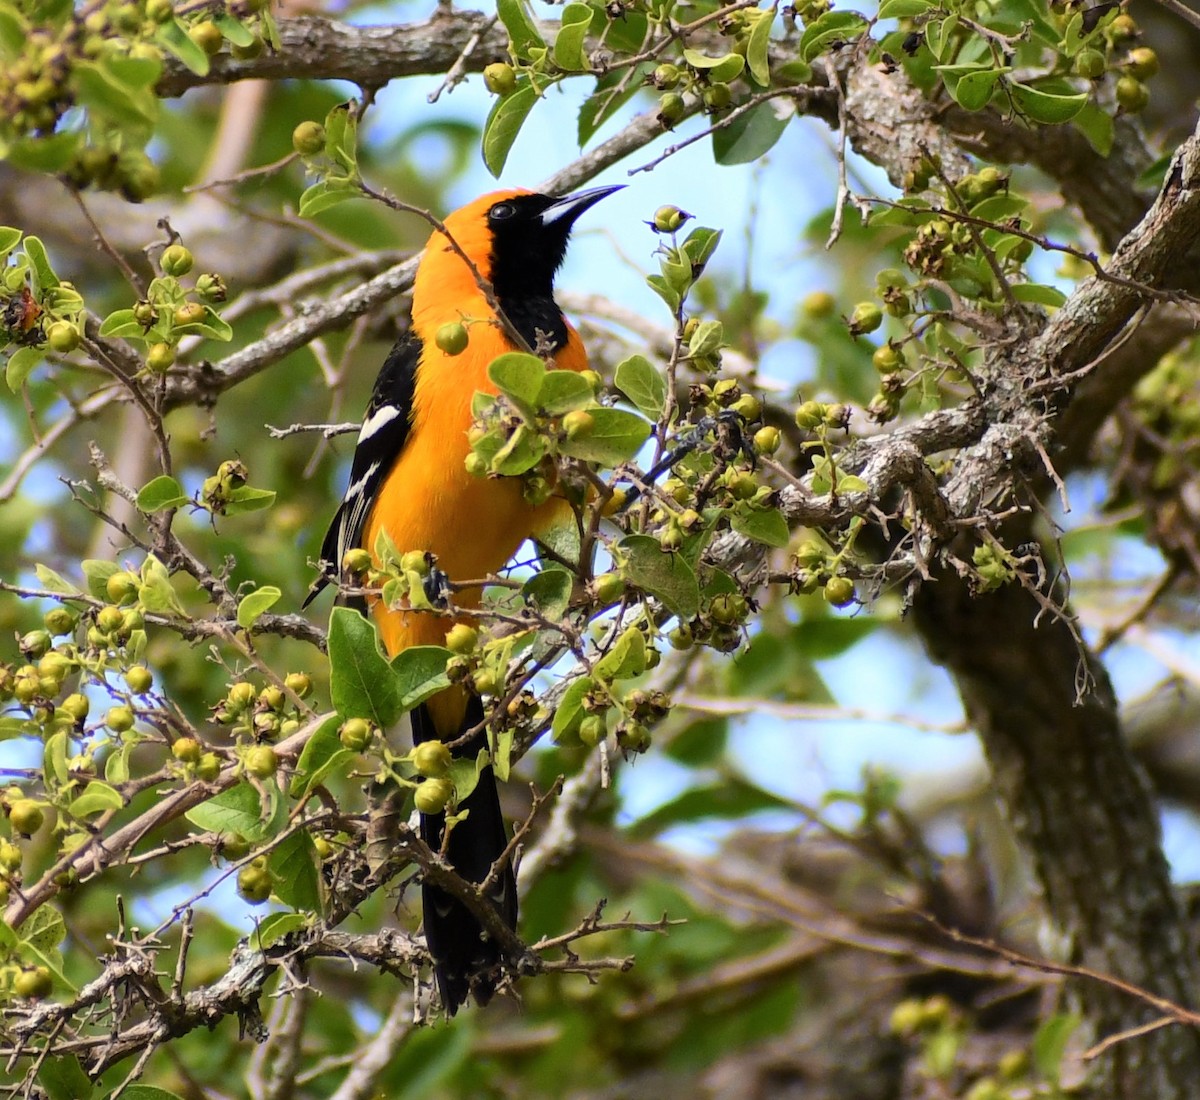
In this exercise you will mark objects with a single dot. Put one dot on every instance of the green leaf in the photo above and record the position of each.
(833, 26)
(1038, 294)
(96, 573)
(153, 1092)
(234, 30)
(45, 929)
(273, 927)
(14, 30)
(1050, 1042)
(51, 153)
(122, 323)
(99, 88)
(665, 291)
(753, 134)
(939, 35)
(1097, 126)
(40, 262)
(326, 193)
(768, 527)
(419, 672)
(157, 592)
(758, 48)
(1046, 107)
(523, 35)
(211, 325)
(246, 498)
(341, 137)
(569, 712)
(568, 45)
(63, 1078)
(905, 9)
(522, 451)
(731, 797)
(971, 85)
(237, 810)
(174, 38)
(251, 607)
(361, 684)
(549, 591)
(323, 752)
(504, 122)
(719, 70)
(12, 726)
(666, 576)
(293, 862)
(518, 375)
(52, 582)
(626, 658)
(562, 391)
(20, 366)
(645, 386)
(616, 436)
(699, 246)
(9, 239)
(96, 798)
(163, 492)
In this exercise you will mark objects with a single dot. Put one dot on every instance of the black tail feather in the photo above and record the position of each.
(465, 960)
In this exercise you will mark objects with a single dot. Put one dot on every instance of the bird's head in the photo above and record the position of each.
(517, 240)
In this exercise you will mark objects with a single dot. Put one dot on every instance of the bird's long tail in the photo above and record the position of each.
(466, 961)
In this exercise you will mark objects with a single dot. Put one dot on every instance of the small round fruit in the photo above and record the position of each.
(322, 847)
(35, 644)
(212, 288)
(208, 767)
(299, 683)
(838, 591)
(26, 816)
(33, 983)
(485, 681)
(818, 305)
(308, 139)
(452, 338)
(592, 730)
(119, 719)
(356, 561)
(669, 218)
(10, 856)
(1123, 27)
(810, 415)
(462, 638)
(190, 313)
(187, 750)
(1090, 64)
(254, 884)
(500, 78)
(666, 76)
(240, 696)
(60, 621)
(1142, 63)
(160, 358)
(609, 587)
(415, 561)
(717, 97)
(1132, 94)
(432, 795)
(867, 317)
(123, 587)
(207, 35)
(671, 108)
(887, 359)
(76, 706)
(139, 678)
(431, 759)
(63, 337)
(476, 465)
(272, 698)
(578, 424)
(681, 637)
(767, 440)
(262, 761)
(355, 734)
(176, 260)
(748, 407)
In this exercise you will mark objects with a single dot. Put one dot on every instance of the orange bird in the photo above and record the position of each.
(408, 478)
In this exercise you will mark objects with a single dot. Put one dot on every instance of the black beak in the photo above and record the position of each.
(564, 211)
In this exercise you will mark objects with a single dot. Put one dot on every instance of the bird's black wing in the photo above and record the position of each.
(380, 442)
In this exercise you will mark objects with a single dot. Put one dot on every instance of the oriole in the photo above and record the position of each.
(408, 478)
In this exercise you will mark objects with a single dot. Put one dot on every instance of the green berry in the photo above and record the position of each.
(119, 719)
(433, 795)
(839, 591)
(63, 337)
(431, 759)
(867, 317)
(500, 78)
(160, 358)
(462, 638)
(262, 762)
(208, 767)
(1142, 63)
(592, 730)
(356, 734)
(308, 139)
(207, 35)
(671, 108)
(608, 587)
(190, 313)
(887, 359)
(717, 97)
(299, 683)
(187, 750)
(254, 884)
(818, 305)
(1132, 94)
(60, 621)
(356, 561)
(26, 816)
(669, 218)
(578, 424)
(33, 983)
(75, 706)
(139, 678)
(452, 338)
(176, 260)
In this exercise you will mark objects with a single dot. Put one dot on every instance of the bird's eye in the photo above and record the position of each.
(501, 211)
